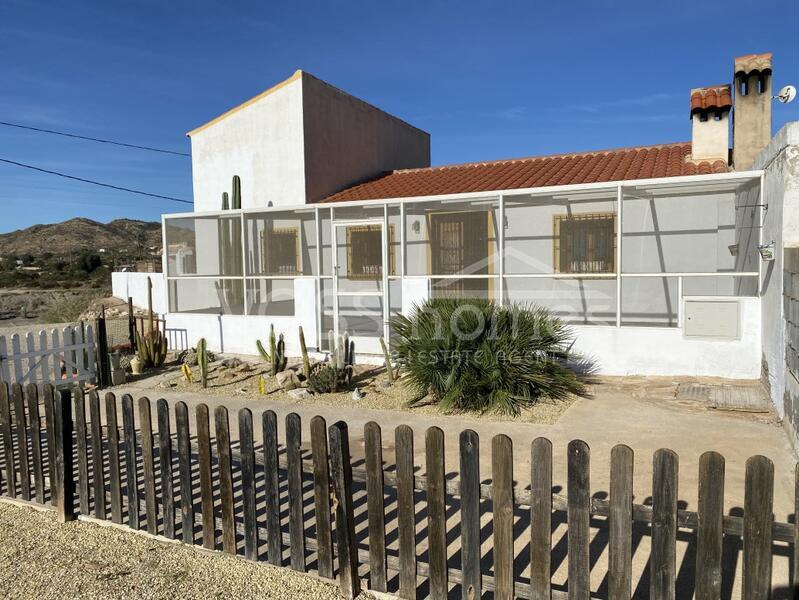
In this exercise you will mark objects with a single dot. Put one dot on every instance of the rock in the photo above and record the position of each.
(299, 394)
(232, 363)
(287, 380)
(384, 385)
(356, 394)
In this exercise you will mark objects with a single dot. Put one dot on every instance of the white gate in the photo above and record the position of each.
(63, 356)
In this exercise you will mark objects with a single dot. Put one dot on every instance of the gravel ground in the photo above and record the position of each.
(40, 558)
(242, 382)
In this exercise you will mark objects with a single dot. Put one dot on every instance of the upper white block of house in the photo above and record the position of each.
(299, 142)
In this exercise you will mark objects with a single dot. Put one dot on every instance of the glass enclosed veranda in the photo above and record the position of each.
(593, 254)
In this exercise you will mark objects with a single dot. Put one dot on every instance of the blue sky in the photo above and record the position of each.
(487, 79)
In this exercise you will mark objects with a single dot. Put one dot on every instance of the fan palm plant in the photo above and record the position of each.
(476, 355)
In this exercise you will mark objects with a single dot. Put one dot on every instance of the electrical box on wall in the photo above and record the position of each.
(711, 318)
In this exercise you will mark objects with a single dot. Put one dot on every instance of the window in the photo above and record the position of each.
(365, 252)
(585, 243)
(281, 251)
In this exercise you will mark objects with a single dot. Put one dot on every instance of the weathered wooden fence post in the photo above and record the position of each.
(65, 484)
(8, 443)
(103, 364)
(758, 522)
(345, 518)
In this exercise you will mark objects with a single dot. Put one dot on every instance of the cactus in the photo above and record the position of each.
(306, 364)
(186, 370)
(152, 346)
(338, 373)
(276, 357)
(225, 201)
(392, 376)
(202, 361)
(261, 385)
(236, 204)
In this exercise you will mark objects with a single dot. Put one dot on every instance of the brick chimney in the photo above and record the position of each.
(752, 114)
(710, 123)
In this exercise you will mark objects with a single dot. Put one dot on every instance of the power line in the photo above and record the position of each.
(106, 185)
(91, 139)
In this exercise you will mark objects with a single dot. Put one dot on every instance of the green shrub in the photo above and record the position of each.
(475, 355)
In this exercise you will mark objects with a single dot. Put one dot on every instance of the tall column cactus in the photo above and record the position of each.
(152, 346)
(236, 204)
(276, 357)
(202, 361)
(306, 363)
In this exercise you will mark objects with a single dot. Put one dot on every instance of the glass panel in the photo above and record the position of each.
(576, 301)
(567, 233)
(747, 230)
(719, 286)
(649, 301)
(270, 297)
(452, 238)
(327, 253)
(359, 252)
(361, 316)
(204, 246)
(326, 288)
(672, 232)
(281, 243)
(480, 289)
(369, 210)
(213, 296)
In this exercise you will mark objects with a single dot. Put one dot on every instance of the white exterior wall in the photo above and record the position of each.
(666, 351)
(297, 143)
(780, 160)
(134, 285)
(348, 140)
(262, 143)
(238, 334)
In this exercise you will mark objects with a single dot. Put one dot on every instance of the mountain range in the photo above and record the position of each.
(127, 236)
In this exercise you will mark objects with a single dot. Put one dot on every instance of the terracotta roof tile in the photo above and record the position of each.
(668, 160)
(717, 98)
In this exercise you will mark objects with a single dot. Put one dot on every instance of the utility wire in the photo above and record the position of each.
(106, 185)
(91, 139)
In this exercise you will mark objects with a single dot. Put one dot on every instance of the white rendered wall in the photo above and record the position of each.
(262, 143)
(780, 159)
(348, 140)
(298, 143)
(665, 351)
(238, 334)
(134, 285)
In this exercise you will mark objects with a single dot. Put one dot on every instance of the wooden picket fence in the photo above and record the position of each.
(250, 488)
(60, 356)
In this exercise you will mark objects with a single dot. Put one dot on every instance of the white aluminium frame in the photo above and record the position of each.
(500, 275)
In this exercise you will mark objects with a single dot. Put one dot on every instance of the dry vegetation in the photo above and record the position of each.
(242, 382)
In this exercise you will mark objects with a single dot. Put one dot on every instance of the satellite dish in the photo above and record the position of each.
(786, 94)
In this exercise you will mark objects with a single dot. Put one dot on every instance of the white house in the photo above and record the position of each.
(652, 253)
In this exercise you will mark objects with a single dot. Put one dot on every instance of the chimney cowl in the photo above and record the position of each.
(712, 99)
(753, 63)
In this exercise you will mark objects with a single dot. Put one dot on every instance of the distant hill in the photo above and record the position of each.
(133, 237)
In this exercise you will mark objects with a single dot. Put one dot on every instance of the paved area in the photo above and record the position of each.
(642, 413)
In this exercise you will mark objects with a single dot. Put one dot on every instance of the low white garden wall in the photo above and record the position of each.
(134, 285)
